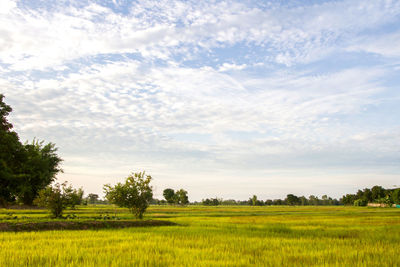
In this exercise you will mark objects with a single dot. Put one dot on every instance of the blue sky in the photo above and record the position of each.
(222, 98)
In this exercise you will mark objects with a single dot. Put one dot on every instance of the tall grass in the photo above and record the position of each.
(217, 236)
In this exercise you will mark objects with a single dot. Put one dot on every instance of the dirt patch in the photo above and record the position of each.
(84, 225)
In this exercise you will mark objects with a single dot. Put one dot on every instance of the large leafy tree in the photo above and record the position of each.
(25, 169)
(169, 195)
(11, 155)
(292, 200)
(40, 168)
(377, 192)
(135, 194)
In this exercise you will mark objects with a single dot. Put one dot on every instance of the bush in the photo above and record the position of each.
(135, 194)
(58, 197)
(360, 202)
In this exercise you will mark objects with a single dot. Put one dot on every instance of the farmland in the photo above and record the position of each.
(210, 236)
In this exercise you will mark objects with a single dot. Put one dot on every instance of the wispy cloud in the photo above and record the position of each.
(187, 88)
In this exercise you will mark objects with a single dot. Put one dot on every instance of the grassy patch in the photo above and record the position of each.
(208, 236)
(78, 225)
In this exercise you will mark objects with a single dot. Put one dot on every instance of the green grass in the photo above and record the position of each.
(213, 236)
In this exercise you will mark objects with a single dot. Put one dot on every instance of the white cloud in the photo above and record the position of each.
(40, 39)
(112, 90)
(229, 66)
(6, 6)
(383, 44)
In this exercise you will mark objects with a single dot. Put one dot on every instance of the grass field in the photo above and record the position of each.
(212, 236)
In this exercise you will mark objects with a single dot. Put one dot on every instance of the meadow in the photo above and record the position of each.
(211, 236)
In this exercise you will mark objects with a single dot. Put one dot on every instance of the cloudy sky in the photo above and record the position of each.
(222, 98)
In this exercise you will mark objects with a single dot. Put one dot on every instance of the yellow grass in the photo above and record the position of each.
(217, 236)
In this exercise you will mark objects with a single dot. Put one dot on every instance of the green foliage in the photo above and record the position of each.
(24, 169)
(58, 197)
(211, 201)
(11, 156)
(360, 202)
(377, 192)
(40, 168)
(76, 198)
(135, 194)
(396, 196)
(253, 200)
(181, 197)
(292, 200)
(169, 195)
(313, 200)
(386, 201)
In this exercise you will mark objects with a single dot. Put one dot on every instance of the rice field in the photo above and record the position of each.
(212, 236)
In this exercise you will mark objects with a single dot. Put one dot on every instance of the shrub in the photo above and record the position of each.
(135, 194)
(58, 197)
(360, 202)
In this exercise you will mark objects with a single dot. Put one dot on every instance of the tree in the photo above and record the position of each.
(303, 200)
(348, 199)
(292, 199)
(367, 195)
(211, 201)
(253, 200)
(92, 198)
(181, 197)
(313, 200)
(396, 196)
(135, 194)
(39, 168)
(58, 197)
(11, 156)
(76, 198)
(24, 169)
(377, 192)
(169, 195)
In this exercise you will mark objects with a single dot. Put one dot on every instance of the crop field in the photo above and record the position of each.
(210, 236)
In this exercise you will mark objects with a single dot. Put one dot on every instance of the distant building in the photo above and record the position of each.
(381, 205)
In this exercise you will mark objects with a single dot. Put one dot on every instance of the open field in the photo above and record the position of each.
(211, 236)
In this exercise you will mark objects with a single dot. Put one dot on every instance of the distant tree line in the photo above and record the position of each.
(376, 194)
(289, 200)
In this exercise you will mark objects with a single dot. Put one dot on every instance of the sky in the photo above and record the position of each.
(221, 98)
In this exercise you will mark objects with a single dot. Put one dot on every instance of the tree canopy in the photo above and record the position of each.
(25, 169)
(135, 194)
(58, 197)
(169, 195)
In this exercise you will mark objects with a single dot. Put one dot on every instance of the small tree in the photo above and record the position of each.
(57, 198)
(181, 197)
(169, 195)
(135, 194)
(253, 200)
(93, 198)
(75, 197)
